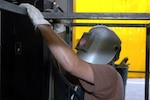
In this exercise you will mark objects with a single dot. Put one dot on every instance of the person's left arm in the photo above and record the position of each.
(65, 55)
(60, 50)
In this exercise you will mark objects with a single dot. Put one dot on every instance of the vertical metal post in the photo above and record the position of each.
(147, 64)
(70, 6)
(69, 10)
(50, 96)
(0, 57)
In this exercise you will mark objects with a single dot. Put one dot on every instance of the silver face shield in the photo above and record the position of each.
(98, 46)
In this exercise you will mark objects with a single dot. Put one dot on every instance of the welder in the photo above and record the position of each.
(92, 65)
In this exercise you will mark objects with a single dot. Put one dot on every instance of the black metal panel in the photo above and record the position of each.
(7, 51)
(25, 62)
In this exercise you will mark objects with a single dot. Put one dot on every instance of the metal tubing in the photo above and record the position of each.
(69, 10)
(147, 64)
(108, 24)
(96, 16)
(4, 5)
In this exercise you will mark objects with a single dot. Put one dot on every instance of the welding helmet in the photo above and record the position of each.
(99, 45)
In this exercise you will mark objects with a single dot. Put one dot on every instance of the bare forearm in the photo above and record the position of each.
(61, 51)
(65, 56)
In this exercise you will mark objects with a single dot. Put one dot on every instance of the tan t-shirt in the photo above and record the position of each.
(108, 84)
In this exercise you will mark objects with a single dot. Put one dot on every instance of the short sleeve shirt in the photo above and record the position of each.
(108, 84)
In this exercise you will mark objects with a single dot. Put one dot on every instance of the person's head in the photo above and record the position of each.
(100, 45)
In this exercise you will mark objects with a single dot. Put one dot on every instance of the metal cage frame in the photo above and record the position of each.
(6, 6)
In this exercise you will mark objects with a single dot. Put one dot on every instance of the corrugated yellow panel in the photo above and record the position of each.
(133, 39)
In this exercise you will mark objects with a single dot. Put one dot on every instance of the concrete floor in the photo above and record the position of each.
(135, 89)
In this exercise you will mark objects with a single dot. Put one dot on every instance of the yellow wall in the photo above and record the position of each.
(133, 39)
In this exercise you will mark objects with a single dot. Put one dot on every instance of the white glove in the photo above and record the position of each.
(59, 28)
(34, 14)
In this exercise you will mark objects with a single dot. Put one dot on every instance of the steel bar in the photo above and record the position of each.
(147, 64)
(102, 16)
(69, 10)
(108, 24)
(4, 5)
(137, 71)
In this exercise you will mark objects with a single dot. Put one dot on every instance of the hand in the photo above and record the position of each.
(34, 14)
(59, 28)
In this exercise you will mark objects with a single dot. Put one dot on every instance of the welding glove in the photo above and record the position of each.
(35, 15)
(59, 28)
